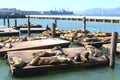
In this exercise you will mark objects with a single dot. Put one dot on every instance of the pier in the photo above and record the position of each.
(107, 19)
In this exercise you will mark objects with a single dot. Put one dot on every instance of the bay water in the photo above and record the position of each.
(77, 73)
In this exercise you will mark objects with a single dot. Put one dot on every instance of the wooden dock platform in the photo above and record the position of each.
(26, 26)
(8, 32)
(32, 30)
(28, 69)
(36, 44)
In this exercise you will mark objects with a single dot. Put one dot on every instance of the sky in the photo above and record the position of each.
(46, 5)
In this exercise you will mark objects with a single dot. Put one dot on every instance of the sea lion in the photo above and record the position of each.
(56, 48)
(93, 51)
(41, 54)
(17, 62)
(1, 45)
(54, 61)
(85, 56)
(48, 61)
(13, 41)
(24, 38)
(17, 40)
(64, 59)
(34, 61)
(77, 57)
(8, 45)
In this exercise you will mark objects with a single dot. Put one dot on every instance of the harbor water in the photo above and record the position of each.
(77, 73)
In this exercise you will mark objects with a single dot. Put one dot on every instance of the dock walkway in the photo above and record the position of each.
(108, 19)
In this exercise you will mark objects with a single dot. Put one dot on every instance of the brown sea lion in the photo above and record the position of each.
(41, 54)
(8, 45)
(17, 62)
(93, 51)
(48, 61)
(85, 56)
(64, 59)
(56, 48)
(54, 61)
(34, 61)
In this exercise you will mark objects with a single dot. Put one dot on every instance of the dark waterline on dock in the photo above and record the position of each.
(79, 73)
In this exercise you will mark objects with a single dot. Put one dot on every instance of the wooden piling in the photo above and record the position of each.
(84, 23)
(8, 21)
(4, 21)
(15, 23)
(53, 32)
(56, 22)
(28, 25)
(113, 49)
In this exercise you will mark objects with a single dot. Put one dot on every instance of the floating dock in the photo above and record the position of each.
(28, 69)
(32, 30)
(36, 44)
(26, 26)
(8, 32)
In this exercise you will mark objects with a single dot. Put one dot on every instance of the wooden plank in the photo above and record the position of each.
(27, 56)
(36, 44)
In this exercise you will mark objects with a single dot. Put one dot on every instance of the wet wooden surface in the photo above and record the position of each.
(37, 44)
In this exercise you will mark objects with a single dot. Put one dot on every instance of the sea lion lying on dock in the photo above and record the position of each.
(76, 57)
(55, 60)
(93, 51)
(42, 54)
(17, 62)
(85, 56)
(57, 50)
(1, 45)
(48, 61)
(8, 45)
(34, 61)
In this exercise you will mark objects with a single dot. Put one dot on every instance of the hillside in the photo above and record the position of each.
(99, 11)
